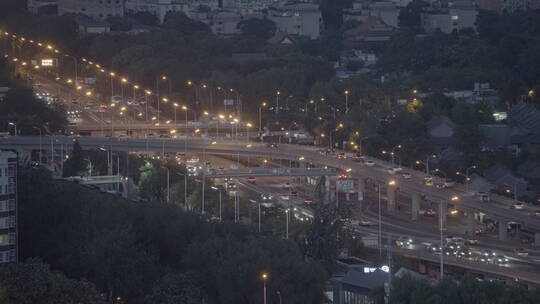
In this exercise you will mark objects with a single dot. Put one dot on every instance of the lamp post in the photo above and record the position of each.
(347, 92)
(219, 190)
(392, 153)
(264, 277)
(112, 74)
(277, 102)
(263, 104)
(14, 125)
(467, 177)
(175, 123)
(40, 144)
(287, 223)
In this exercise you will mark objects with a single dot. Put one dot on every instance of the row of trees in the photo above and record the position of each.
(156, 252)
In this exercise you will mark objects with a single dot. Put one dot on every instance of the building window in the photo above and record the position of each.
(11, 205)
(4, 239)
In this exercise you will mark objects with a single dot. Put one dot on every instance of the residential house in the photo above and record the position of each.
(441, 130)
(459, 15)
(370, 34)
(387, 11)
(282, 38)
(356, 286)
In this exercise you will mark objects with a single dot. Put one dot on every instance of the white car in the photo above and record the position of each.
(391, 171)
(406, 175)
(518, 205)
(369, 163)
(365, 223)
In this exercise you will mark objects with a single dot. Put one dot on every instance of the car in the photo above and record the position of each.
(285, 197)
(308, 201)
(464, 252)
(231, 186)
(406, 175)
(397, 169)
(404, 242)
(369, 163)
(449, 183)
(273, 145)
(429, 212)
(390, 171)
(251, 180)
(365, 223)
(357, 157)
(341, 156)
(537, 213)
(500, 259)
(471, 241)
(518, 205)
(521, 252)
(487, 253)
(266, 197)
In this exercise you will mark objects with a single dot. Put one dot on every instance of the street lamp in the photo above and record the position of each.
(467, 177)
(219, 190)
(392, 153)
(264, 277)
(347, 92)
(263, 104)
(277, 102)
(14, 125)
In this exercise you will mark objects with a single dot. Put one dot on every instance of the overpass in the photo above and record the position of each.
(497, 209)
(267, 172)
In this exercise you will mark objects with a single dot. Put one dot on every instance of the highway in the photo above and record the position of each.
(499, 208)
(423, 232)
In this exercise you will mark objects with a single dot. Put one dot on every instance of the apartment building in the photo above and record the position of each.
(302, 19)
(8, 207)
(457, 16)
(97, 9)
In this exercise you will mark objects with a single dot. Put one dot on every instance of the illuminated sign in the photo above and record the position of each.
(47, 62)
(384, 268)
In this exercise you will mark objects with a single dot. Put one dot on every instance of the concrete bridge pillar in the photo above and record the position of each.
(471, 223)
(360, 188)
(537, 239)
(390, 198)
(415, 206)
(327, 190)
(303, 166)
(502, 230)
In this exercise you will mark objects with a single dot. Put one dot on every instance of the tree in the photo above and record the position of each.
(182, 24)
(256, 28)
(33, 282)
(175, 289)
(75, 165)
(409, 17)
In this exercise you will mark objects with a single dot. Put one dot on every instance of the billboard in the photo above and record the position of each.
(47, 62)
(228, 102)
(344, 185)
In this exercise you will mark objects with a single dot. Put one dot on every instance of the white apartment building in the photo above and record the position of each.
(458, 16)
(302, 19)
(160, 8)
(97, 9)
(8, 207)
